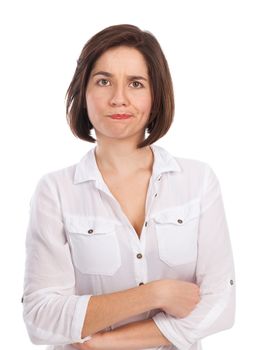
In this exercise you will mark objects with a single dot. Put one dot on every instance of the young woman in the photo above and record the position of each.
(129, 248)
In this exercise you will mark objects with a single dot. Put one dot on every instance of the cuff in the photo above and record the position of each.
(78, 319)
(165, 327)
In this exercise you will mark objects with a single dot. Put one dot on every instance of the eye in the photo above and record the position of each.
(136, 84)
(103, 82)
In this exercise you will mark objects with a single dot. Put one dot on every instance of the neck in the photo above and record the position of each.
(122, 158)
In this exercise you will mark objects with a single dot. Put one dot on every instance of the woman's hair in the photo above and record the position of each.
(162, 110)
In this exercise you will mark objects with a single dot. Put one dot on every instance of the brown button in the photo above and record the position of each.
(90, 231)
(22, 299)
(231, 282)
(180, 221)
(146, 223)
(139, 256)
(155, 194)
(141, 283)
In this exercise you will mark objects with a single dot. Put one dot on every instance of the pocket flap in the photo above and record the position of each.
(179, 215)
(88, 225)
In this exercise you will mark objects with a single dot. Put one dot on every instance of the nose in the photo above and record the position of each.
(119, 97)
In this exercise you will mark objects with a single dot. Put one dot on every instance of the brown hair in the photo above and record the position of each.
(162, 110)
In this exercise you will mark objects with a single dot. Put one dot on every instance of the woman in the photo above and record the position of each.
(129, 248)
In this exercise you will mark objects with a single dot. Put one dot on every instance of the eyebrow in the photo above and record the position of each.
(110, 75)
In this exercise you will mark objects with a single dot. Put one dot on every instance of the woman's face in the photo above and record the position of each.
(119, 84)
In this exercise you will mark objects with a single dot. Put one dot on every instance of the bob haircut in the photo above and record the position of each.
(162, 111)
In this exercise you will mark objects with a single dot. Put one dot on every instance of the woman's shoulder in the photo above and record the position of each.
(59, 177)
(195, 173)
(67, 173)
(192, 164)
(50, 183)
(180, 163)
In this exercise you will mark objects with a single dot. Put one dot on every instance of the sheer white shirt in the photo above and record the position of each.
(80, 243)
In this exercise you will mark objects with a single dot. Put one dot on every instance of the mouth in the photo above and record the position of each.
(120, 116)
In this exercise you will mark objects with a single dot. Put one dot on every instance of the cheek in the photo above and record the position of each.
(145, 104)
(93, 102)
(91, 108)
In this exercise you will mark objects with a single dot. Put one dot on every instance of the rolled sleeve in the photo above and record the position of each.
(214, 274)
(78, 319)
(52, 312)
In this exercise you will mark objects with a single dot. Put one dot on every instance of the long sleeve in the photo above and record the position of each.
(214, 274)
(53, 314)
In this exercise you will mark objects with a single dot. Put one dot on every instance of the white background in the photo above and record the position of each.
(210, 47)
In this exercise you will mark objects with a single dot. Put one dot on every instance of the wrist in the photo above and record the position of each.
(104, 341)
(96, 342)
(155, 292)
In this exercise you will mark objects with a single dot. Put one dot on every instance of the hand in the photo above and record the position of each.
(177, 298)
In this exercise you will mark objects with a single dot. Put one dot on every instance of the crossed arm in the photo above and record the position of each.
(175, 297)
(137, 335)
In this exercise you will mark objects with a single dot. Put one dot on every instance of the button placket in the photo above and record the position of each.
(158, 179)
(140, 268)
(150, 196)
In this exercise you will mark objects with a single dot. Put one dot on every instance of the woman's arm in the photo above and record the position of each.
(178, 298)
(133, 336)
(106, 309)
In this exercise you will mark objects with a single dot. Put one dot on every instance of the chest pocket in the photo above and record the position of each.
(94, 245)
(176, 231)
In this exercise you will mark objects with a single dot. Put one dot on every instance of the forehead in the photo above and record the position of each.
(122, 58)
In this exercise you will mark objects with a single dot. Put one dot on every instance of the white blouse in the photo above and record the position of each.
(80, 243)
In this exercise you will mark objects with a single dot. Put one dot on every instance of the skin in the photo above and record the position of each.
(119, 83)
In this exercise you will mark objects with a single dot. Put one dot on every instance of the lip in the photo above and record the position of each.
(120, 116)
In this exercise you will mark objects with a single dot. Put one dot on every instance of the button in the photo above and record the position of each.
(22, 299)
(159, 178)
(146, 223)
(231, 282)
(90, 231)
(180, 221)
(139, 256)
(141, 283)
(155, 194)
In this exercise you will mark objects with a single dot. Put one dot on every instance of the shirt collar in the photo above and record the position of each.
(87, 168)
